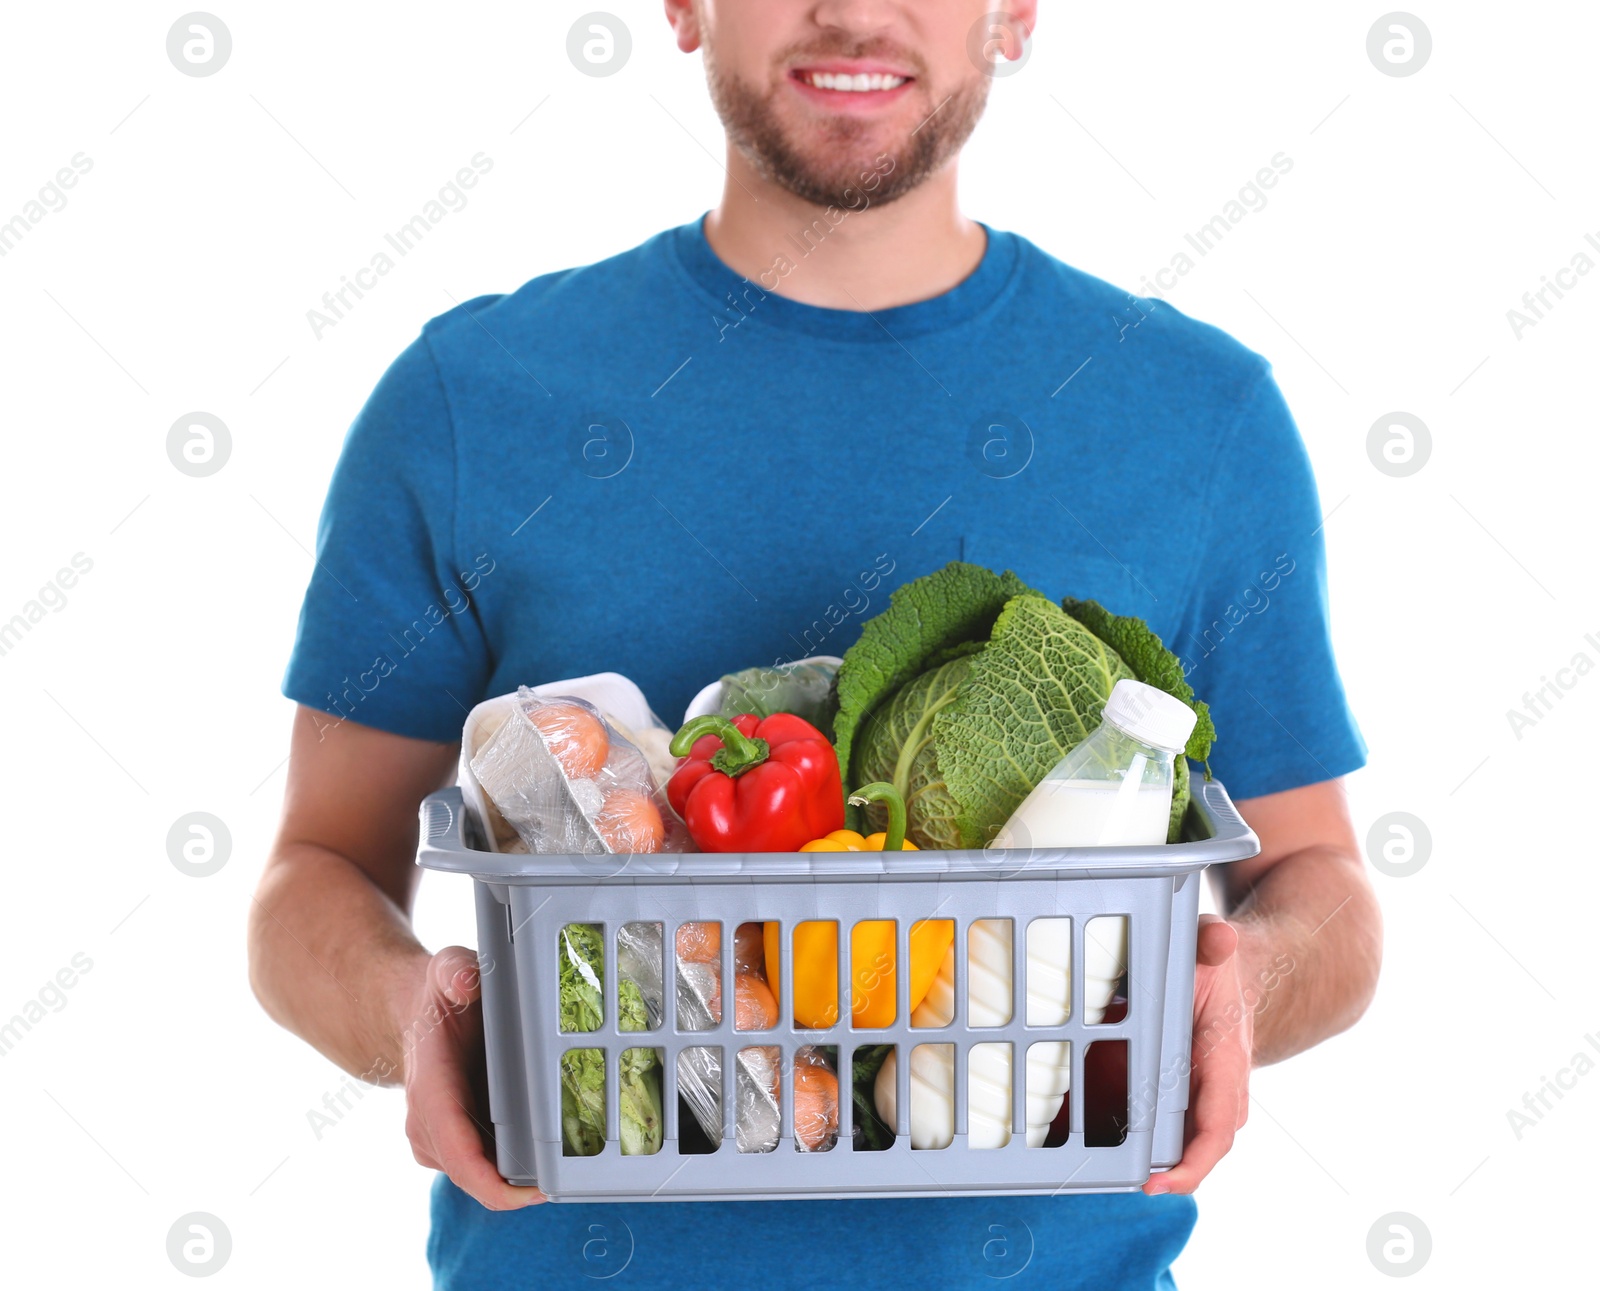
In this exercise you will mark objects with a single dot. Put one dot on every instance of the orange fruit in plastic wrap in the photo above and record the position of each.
(629, 822)
(699, 943)
(816, 1105)
(576, 739)
(754, 1009)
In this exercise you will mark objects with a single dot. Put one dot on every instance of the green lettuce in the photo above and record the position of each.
(583, 1071)
(925, 619)
(971, 686)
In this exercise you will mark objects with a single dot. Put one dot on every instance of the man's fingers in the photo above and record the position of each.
(453, 972)
(1215, 1115)
(440, 1100)
(421, 1149)
(1215, 941)
(1199, 1159)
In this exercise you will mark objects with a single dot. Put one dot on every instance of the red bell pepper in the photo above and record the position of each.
(755, 785)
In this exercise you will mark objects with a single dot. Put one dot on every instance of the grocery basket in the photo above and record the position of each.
(523, 902)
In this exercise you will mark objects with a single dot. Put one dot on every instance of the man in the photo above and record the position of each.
(724, 448)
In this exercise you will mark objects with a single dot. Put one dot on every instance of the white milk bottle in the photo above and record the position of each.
(1114, 789)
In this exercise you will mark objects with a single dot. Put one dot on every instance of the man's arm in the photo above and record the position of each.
(332, 954)
(1295, 961)
(1307, 897)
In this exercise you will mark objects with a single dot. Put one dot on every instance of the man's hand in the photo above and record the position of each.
(442, 1044)
(1219, 1072)
(333, 956)
(1295, 962)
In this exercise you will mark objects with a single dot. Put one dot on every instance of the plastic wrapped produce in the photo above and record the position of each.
(639, 962)
(755, 1098)
(581, 956)
(698, 971)
(700, 1068)
(804, 687)
(626, 715)
(755, 1092)
(816, 1101)
(563, 779)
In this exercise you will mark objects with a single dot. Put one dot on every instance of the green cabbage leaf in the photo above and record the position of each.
(970, 687)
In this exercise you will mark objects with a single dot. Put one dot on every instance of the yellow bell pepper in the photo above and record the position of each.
(872, 949)
(847, 840)
(891, 840)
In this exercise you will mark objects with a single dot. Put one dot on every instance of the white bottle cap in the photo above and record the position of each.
(1150, 715)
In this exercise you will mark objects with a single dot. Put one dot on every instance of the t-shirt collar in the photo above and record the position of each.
(754, 300)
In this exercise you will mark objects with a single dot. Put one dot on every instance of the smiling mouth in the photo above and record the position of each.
(847, 83)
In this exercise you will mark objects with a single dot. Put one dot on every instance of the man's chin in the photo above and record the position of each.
(851, 160)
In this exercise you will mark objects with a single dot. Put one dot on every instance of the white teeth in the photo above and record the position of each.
(859, 83)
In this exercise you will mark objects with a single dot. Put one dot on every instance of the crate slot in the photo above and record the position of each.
(933, 1096)
(697, 956)
(815, 988)
(872, 974)
(639, 1100)
(639, 976)
(989, 1095)
(699, 1086)
(1105, 1093)
(758, 1094)
(1049, 1079)
(933, 973)
(816, 1098)
(989, 976)
(1049, 972)
(579, 977)
(1105, 965)
(583, 1102)
(749, 949)
(870, 1132)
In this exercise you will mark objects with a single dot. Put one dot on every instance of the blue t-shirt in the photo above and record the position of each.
(655, 466)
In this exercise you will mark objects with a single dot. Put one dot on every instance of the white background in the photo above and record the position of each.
(177, 278)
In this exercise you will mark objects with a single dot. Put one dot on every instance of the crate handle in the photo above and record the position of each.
(440, 813)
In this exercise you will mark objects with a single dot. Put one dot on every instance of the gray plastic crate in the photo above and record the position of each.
(523, 901)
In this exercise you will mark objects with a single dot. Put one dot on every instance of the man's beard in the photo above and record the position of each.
(825, 175)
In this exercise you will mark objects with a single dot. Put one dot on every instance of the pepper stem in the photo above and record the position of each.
(739, 752)
(882, 791)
